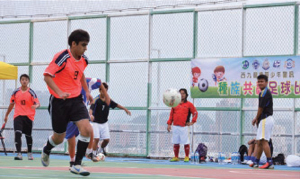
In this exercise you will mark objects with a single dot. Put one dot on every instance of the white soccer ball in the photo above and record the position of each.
(101, 156)
(203, 85)
(171, 97)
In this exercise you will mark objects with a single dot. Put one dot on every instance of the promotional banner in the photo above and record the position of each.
(237, 77)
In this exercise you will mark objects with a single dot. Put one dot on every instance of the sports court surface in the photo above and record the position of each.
(136, 168)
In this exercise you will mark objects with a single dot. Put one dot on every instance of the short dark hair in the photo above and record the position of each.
(105, 86)
(24, 75)
(78, 35)
(263, 77)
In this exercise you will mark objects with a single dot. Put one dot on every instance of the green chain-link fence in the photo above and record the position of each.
(141, 55)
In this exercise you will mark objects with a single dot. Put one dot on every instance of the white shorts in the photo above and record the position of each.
(101, 131)
(180, 135)
(265, 127)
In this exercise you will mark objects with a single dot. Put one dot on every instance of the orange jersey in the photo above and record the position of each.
(23, 101)
(66, 72)
(181, 114)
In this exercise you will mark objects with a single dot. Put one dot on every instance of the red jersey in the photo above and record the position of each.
(66, 72)
(181, 114)
(195, 80)
(23, 101)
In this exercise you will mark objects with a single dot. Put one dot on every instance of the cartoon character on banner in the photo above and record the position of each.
(218, 75)
(196, 72)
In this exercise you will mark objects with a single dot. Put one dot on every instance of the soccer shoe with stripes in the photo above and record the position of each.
(267, 166)
(19, 157)
(77, 169)
(186, 159)
(253, 165)
(44, 159)
(174, 159)
(29, 155)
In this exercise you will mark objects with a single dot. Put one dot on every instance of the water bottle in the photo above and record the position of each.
(197, 158)
(238, 158)
(223, 158)
(192, 158)
(220, 158)
(233, 158)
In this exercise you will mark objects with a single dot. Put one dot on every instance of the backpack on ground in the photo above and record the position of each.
(202, 151)
(243, 150)
(279, 159)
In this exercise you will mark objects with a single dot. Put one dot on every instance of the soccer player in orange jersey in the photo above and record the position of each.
(180, 118)
(25, 101)
(65, 78)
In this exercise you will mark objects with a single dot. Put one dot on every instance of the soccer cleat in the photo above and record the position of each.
(19, 156)
(77, 169)
(186, 159)
(104, 152)
(175, 159)
(29, 155)
(267, 166)
(253, 165)
(44, 159)
(71, 165)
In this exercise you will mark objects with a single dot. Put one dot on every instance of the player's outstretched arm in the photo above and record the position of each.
(125, 109)
(49, 81)
(10, 107)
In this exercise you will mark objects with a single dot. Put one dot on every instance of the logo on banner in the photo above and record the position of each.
(276, 64)
(255, 64)
(245, 64)
(266, 64)
(289, 63)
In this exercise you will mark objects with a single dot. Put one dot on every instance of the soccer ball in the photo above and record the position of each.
(101, 156)
(203, 85)
(171, 97)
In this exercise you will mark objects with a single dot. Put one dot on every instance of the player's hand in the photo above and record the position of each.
(64, 95)
(128, 112)
(34, 106)
(169, 128)
(92, 117)
(189, 124)
(5, 119)
(254, 121)
(90, 98)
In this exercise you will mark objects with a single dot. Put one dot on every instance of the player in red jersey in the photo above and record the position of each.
(180, 118)
(25, 101)
(65, 78)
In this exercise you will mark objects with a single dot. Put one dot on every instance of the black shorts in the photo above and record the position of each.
(24, 124)
(62, 111)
